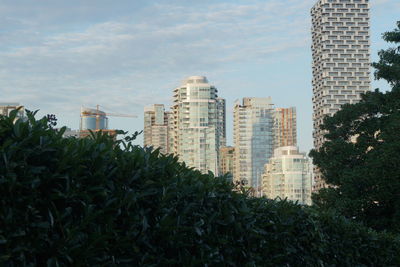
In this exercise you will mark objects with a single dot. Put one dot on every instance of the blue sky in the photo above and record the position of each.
(123, 55)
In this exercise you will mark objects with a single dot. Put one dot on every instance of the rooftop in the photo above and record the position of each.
(195, 79)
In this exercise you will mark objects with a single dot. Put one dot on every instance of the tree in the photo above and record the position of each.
(360, 159)
(103, 202)
(388, 67)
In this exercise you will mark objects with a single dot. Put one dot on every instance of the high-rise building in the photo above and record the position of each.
(253, 139)
(285, 130)
(341, 59)
(197, 124)
(157, 128)
(171, 132)
(221, 121)
(227, 161)
(288, 175)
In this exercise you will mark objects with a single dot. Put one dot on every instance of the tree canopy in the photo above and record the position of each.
(388, 67)
(100, 202)
(360, 158)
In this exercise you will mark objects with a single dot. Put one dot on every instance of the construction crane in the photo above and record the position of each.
(98, 113)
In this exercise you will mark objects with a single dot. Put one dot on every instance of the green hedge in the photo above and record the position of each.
(67, 201)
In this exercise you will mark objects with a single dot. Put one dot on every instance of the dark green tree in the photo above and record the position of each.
(361, 156)
(388, 67)
(103, 202)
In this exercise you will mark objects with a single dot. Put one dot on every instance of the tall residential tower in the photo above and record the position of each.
(199, 129)
(341, 59)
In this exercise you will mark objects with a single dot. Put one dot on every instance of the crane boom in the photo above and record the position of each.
(96, 112)
(108, 114)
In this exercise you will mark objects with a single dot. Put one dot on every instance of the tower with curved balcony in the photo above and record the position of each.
(198, 127)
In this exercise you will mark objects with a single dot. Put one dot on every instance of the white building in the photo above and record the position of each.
(197, 121)
(288, 175)
(341, 59)
(253, 139)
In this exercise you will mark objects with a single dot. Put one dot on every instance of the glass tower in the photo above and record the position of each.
(253, 139)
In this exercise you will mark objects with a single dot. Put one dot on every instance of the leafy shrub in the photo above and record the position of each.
(67, 201)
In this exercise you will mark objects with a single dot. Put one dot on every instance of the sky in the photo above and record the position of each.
(57, 56)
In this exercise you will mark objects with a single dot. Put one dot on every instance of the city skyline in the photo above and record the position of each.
(56, 65)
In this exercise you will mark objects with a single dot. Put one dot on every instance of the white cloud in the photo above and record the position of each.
(171, 36)
(60, 56)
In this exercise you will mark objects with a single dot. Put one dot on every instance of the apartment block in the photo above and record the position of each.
(198, 126)
(341, 60)
(285, 128)
(288, 175)
(227, 161)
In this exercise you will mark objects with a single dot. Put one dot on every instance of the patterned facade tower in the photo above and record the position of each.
(197, 122)
(341, 60)
(156, 128)
(285, 129)
(253, 140)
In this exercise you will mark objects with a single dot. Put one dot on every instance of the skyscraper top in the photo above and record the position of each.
(195, 79)
(254, 102)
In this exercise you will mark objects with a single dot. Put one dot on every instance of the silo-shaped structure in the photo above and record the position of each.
(93, 119)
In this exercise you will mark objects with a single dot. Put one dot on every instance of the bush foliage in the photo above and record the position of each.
(67, 201)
